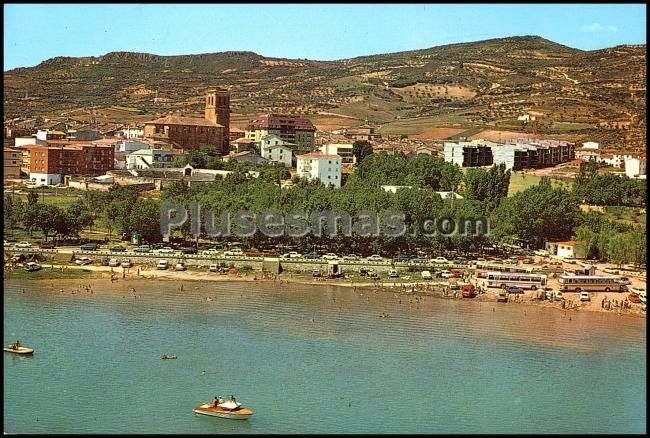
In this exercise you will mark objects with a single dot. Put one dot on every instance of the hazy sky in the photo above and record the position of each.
(34, 33)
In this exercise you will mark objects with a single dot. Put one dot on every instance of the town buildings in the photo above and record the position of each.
(131, 132)
(277, 150)
(13, 159)
(342, 149)
(188, 133)
(516, 156)
(318, 166)
(635, 167)
(49, 164)
(292, 129)
(149, 158)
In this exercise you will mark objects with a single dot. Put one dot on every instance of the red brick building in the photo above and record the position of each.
(49, 164)
(188, 133)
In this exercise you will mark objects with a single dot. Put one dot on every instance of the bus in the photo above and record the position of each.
(578, 283)
(482, 267)
(523, 280)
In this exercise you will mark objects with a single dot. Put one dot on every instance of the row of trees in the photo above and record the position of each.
(608, 189)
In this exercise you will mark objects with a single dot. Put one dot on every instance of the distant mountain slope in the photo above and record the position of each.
(484, 83)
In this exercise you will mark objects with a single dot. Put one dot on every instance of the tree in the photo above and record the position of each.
(145, 219)
(361, 149)
(32, 197)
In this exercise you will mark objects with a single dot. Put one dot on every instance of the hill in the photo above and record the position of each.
(467, 86)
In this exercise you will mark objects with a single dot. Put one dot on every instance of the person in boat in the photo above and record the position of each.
(16, 345)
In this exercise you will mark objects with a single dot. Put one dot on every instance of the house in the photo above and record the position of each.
(242, 144)
(318, 166)
(635, 167)
(590, 145)
(131, 132)
(45, 135)
(342, 149)
(245, 157)
(148, 158)
(277, 150)
(568, 249)
(363, 132)
(291, 129)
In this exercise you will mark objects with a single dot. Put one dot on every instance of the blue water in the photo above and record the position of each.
(311, 360)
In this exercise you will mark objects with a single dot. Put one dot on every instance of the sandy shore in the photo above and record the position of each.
(618, 303)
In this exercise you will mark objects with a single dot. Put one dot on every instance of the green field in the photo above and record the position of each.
(521, 181)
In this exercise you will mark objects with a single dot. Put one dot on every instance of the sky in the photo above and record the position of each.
(34, 33)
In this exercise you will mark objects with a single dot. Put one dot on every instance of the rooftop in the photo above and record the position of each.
(317, 156)
(181, 120)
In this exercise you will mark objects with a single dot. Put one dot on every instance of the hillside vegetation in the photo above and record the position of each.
(480, 84)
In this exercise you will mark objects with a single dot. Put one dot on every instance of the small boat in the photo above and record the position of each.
(16, 348)
(168, 356)
(224, 409)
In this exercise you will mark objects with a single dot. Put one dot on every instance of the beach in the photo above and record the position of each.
(600, 302)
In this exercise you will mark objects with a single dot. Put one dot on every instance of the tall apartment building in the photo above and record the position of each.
(189, 133)
(344, 150)
(292, 129)
(515, 156)
(49, 164)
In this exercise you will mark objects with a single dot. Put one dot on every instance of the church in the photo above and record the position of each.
(188, 133)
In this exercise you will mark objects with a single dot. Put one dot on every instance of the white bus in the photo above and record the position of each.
(578, 283)
(523, 280)
(482, 268)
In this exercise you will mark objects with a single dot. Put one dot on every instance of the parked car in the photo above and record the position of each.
(351, 257)
(559, 296)
(468, 290)
(23, 244)
(291, 255)
(113, 263)
(126, 263)
(235, 252)
(214, 267)
(330, 256)
(254, 253)
(162, 265)
(143, 248)
(419, 260)
(440, 260)
(584, 296)
(210, 252)
(502, 297)
(623, 280)
(83, 261)
(166, 250)
(46, 245)
(635, 298)
(375, 258)
(392, 273)
(316, 273)
(188, 250)
(400, 258)
(89, 247)
(32, 267)
(514, 290)
(426, 275)
(104, 261)
(118, 248)
(446, 274)
(180, 266)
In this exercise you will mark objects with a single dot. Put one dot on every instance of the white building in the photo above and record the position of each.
(635, 168)
(325, 168)
(130, 133)
(616, 160)
(149, 158)
(45, 179)
(568, 249)
(276, 150)
(590, 145)
(342, 149)
(129, 146)
(27, 141)
(526, 118)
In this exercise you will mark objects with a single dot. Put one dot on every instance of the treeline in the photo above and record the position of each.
(608, 189)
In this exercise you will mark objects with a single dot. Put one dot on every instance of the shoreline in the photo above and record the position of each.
(432, 289)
